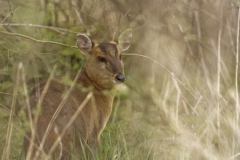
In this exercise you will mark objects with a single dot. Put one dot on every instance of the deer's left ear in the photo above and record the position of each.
(124, 40)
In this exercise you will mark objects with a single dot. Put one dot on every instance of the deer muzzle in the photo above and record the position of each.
(120, 78)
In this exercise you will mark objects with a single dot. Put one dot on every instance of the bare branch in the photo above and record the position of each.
(36, 40)
(171, 73)
(8, 16)
(78, 14)
(42, 26)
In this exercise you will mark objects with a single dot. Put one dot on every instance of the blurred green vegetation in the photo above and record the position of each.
(177, 102)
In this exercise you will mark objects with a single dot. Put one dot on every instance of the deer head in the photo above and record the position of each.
(104, 65)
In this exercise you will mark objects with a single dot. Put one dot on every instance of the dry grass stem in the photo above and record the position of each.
(7, 147)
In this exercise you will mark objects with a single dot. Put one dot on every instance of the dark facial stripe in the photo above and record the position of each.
(116, 54)
(116, 66)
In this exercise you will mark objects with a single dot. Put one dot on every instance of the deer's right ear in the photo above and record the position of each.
(124, 40)
(84, 43)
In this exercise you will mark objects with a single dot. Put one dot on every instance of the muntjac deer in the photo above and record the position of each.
(69, 124)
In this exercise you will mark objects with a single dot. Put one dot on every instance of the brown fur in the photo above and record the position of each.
(103, 66)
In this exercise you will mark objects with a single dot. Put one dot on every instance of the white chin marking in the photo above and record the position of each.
(116, 82)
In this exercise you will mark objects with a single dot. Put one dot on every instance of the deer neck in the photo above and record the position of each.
(88, 82)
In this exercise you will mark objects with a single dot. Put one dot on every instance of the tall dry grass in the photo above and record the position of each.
(181, 97)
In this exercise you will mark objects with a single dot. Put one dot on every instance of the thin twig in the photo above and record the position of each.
(12, 112)
(116, 29)
(202, 61)
(211, 16)
(41, 26)
(79, 15)
(11, 13)
(11, 94)
(171, 73)
(36, 40)
(8, 16)
(18, 50)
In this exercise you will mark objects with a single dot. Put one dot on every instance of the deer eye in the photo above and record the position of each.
(102, 59)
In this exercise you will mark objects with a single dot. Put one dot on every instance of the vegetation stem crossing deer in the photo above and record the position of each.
(70, 124)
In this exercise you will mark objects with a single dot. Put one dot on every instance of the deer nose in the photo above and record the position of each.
(120, 78)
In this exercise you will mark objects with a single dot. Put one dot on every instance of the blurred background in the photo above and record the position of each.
(180, 99)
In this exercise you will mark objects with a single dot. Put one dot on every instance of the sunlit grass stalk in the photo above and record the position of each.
(114, 117)
(178, 98)
(85, 101)
(33, 122)
(236, 71)
(166, 69)
(200, 50)
(236, 88)
(124, 145)
(56, 113)
(84, 156)
(7, 149)
(74, 4)
(219, 70)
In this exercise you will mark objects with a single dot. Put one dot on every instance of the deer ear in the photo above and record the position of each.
(84, 43)
(124, 40)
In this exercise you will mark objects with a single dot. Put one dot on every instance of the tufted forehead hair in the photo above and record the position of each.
(109, 48)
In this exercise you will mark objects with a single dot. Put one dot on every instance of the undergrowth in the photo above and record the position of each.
(181, 97)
